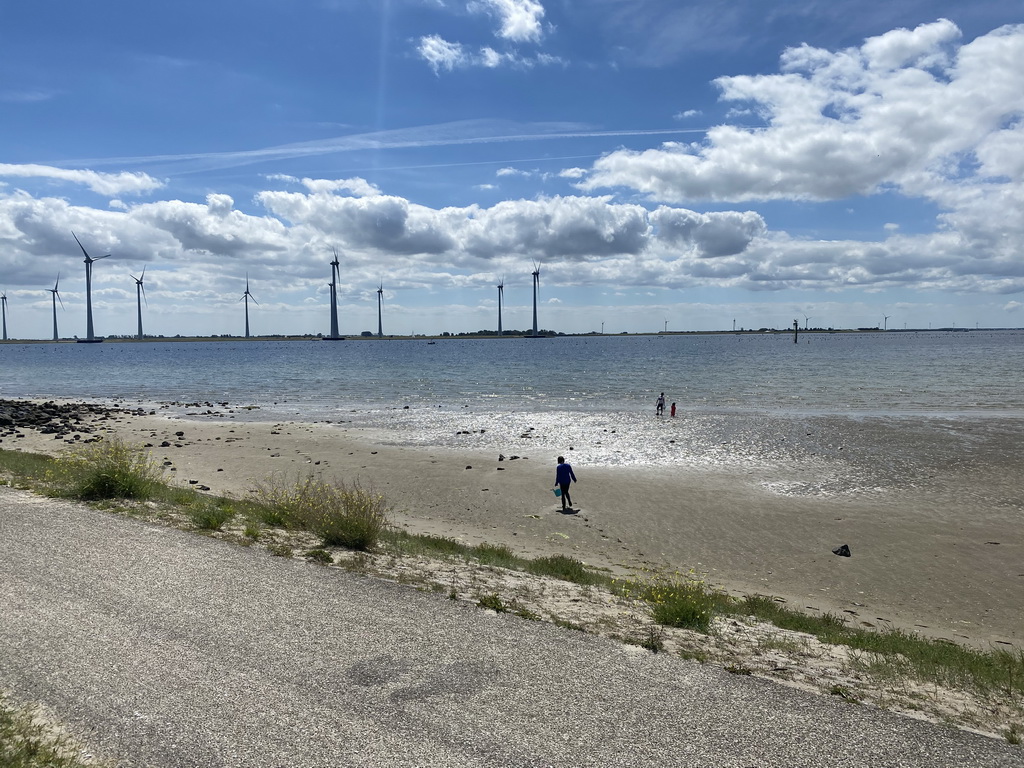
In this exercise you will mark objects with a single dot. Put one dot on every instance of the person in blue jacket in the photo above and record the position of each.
(564, 476)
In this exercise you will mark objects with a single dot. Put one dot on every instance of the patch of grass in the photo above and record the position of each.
(675, 600)
(341, 515)
(566, 569)
(492, 602)
(24, 469)
(320, 556)
(653, 639)
(842, 692)
(403, 542)
(694, 654)
(1013, 734)
(209, 514)
(24, 743)
(495, 554)
(900, 653)
(107, 469)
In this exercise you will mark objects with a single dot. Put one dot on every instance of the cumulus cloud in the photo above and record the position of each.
(904, 110)
(102, 183)
(520, 20)
(446, 56)
(441, 54)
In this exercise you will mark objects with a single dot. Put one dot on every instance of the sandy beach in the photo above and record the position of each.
(921, 559)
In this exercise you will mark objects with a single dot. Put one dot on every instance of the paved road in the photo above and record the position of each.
(162, 648)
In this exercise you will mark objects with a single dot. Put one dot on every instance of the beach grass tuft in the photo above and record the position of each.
(564, 568)
(341, 515)
(675, 600)
(209, 514)
(107, 469)
(26, 743)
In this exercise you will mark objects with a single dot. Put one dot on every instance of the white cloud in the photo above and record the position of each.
(440, 54)
(520, 22)
(520, 19)
(902, 110)
(511, 172)
(102, 183)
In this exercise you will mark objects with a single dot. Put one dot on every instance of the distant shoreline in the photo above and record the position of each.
(495, 336)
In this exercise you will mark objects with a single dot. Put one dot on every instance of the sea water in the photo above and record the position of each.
(863, 410)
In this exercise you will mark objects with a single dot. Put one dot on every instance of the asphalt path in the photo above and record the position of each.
(163, 648)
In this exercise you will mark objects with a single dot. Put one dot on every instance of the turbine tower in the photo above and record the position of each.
(245, 297)
(380, 316)
(140, 294)
(89, 336)
(501, 300)
(536, 287)
(335, 272)
(3, 306)
(55, 297)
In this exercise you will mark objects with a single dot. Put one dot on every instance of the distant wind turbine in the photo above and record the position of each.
(380, 313)
(245, 297)
(55, 297)
(806, 320)
(335, 273)
(89, 336)
(140, 294)
(501, 301)
(3, 306)
(885, 322)
(536, 288)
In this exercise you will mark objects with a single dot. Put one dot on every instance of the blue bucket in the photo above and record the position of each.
(558, 492)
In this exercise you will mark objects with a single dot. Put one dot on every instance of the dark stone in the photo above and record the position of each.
(843, 550)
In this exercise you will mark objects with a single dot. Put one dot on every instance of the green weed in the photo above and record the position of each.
(108, 469)
(341, 515)
(26, 744)
(209, 514)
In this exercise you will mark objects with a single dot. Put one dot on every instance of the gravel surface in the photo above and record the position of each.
(161, 648)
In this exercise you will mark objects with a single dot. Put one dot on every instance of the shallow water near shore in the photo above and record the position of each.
(833, 414)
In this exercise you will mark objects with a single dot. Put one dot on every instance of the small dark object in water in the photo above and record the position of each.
(843, 550)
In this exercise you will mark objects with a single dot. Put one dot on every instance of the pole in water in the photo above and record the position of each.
(796, 330)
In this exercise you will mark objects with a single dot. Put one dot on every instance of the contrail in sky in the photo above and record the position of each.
(443, 134)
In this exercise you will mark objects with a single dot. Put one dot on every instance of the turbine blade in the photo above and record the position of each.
(80, 244)
(59, 299)
(144, 298)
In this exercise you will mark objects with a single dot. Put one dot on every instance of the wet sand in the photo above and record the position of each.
(939, 557)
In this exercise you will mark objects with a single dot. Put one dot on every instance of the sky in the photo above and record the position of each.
(678, 165)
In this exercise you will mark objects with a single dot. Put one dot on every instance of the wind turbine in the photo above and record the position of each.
(55, 297)
(140, 294)
(335, 272)
(806, 319)
(89, 336)
(245, 297)
(380, 316)
(536, 287)
(501, 300)
(885, 322)
(3, 306)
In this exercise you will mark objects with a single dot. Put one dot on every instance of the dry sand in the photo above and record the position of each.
(921, 561)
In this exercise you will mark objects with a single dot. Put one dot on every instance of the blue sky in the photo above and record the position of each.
(687, 165)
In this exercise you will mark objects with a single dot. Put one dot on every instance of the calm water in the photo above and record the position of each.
(922, 400)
